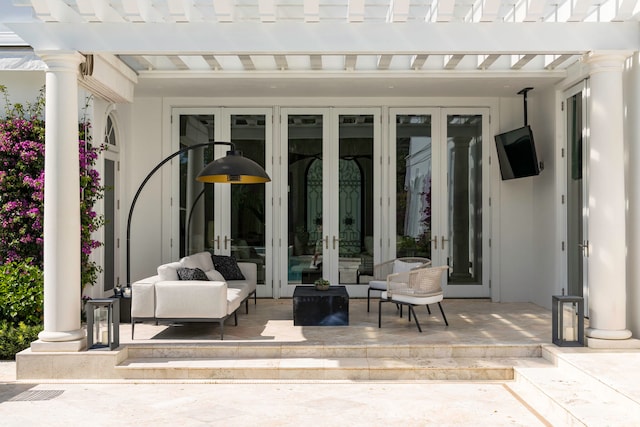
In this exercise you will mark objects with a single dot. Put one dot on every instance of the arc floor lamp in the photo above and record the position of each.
(233, 168)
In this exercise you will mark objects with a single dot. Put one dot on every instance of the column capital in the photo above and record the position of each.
(60, 60)
(606, 61)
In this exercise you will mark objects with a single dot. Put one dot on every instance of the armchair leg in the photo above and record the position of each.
(443, 316)
(368, 298)
(415, 318)
(379, 313)
(428, 309)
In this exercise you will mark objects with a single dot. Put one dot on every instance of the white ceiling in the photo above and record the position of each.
(315, 48)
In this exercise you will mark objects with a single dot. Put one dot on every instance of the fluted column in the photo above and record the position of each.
(606, 198)
(62, 293)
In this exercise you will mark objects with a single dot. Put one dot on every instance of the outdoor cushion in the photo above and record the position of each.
(191, 274)
(403, 267)
(169, 271)
(214, 275)
(228, 267)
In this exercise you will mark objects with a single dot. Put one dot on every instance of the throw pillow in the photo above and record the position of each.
(191, 274)
(228, 267)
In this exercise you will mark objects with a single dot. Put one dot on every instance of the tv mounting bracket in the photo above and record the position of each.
(523, 92)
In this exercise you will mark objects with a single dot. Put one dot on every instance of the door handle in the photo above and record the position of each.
(585, 248)
(335, 239)
(326, 242)
(217, 242)
(435, 242)
(442, 240)
(227, 240)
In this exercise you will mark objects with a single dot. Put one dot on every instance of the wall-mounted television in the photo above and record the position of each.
(517, 153)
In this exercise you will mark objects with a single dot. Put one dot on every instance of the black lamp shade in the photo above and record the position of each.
(233, 169)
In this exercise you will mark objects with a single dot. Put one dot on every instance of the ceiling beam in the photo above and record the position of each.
(350, 62)
(332, 38)
(519, 61)
(486, 61)
(247, 62)
(625, 10)
(355, 11)
(384, 61)
(178, 62)
(535, 10)
(311, 10)
(452, 61)
(551, 62)
(444, 12)
(281, 62)
(417, 61)
(490, 10)
(267, 10)
(398, 11)
(212, 62)
(223, 10)
(316, 62)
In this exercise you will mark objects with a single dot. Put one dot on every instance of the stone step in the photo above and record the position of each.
(566, 395)
(317, 368)
(201, 350)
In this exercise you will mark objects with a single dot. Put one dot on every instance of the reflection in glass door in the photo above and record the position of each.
(463, 243)
(439, 197)
(577, 209)
(220, 218)
(330, 217)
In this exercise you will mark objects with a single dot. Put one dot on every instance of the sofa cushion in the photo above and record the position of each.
(201, 260)
(169, 271)
(185, 273)
(214, 275)
(228, 267)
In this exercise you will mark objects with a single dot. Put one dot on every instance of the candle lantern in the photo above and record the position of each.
(103, 323)
(567, 316)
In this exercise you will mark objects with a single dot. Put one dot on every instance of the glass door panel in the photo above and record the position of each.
(305, 133)
(220, 218)
(355, 199)
(461, 243)
(439, 197)
(413, 185)
(577, 208)
(247, 215)
(464, 187)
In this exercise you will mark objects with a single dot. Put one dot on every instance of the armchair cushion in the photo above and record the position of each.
(402, 266)
(228, 267)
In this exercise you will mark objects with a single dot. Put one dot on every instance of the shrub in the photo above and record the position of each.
(21, 293)
(15, 338)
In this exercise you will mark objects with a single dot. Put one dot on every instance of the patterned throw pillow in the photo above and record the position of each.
(191, 274)
(228, 267)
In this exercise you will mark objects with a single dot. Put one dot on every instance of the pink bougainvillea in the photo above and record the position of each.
(22, 151)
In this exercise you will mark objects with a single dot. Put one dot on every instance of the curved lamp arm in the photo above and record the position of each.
(144, 182)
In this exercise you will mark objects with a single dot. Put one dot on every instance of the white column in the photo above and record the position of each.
(62, 329)
(606, 189)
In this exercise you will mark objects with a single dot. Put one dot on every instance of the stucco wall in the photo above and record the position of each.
(23, 86)
(143, 151)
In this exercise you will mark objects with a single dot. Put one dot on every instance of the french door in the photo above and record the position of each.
(224, 219)
(440, 194)
(577, 208)
(332, 179)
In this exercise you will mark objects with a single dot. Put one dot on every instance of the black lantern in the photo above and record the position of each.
(567, 315)
(103, 323)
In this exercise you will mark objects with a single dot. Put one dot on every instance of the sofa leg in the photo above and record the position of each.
(221, 329)
(246, 305)
(235, 317)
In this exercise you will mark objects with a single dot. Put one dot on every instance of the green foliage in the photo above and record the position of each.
(15, 338)
(21, 293)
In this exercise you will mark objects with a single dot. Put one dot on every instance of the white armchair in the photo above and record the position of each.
(421, 286)
(397, 265)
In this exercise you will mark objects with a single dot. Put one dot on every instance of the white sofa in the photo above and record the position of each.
(166, 297)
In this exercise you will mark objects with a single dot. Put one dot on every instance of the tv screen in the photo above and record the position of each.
(517, 153)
